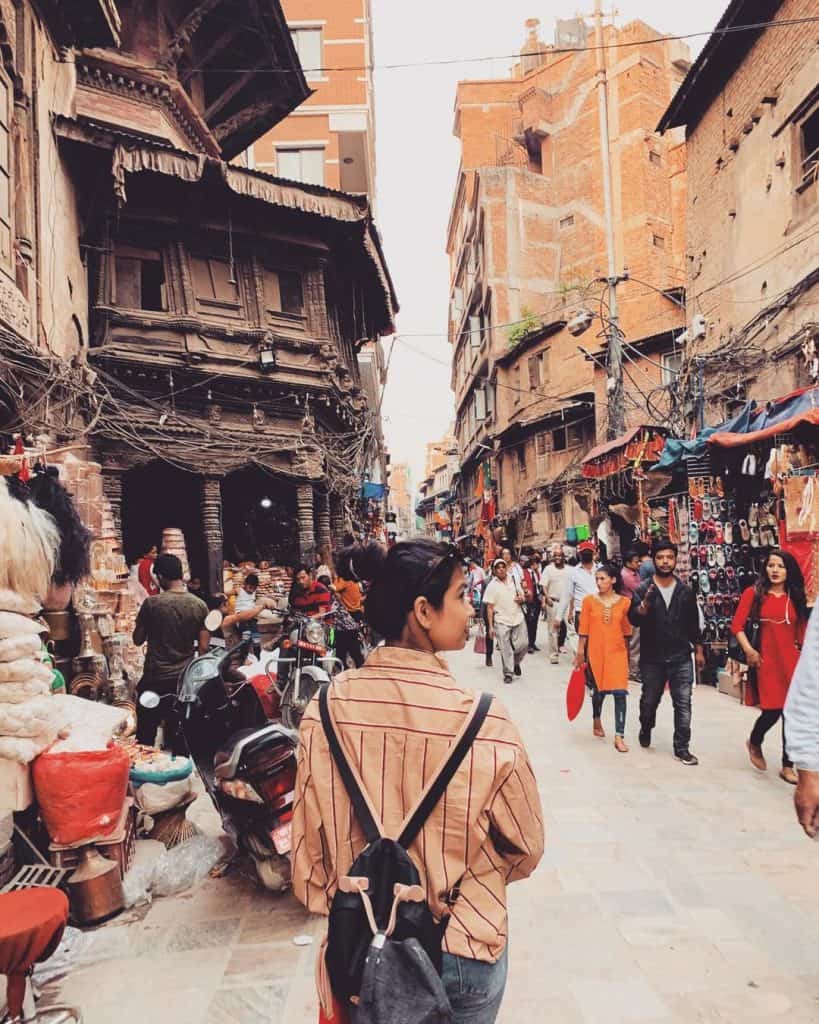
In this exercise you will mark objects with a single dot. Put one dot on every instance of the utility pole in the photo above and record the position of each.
(616, 419)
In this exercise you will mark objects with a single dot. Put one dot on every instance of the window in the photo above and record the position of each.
(5, 173)
(671, 363)
(566, 222)
(559, 443)
(305, 165)
(516, 384)
(490, 399)
(216, 287)
(658, 241)
(480, 404)
(520, 453)
(654, 157)
(543, 448)
(308, 46)
(535, 371)
(139, 279)
(283, 292)
(574, 435)
(475, 330)
(809, 133)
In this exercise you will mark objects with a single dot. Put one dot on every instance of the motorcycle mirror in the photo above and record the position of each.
(213, 620)
(148, 699)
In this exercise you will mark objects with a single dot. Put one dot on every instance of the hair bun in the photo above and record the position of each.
(362, 562)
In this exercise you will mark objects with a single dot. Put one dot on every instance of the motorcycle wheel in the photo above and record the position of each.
(258, 848)
(292, 714)
(273, 872)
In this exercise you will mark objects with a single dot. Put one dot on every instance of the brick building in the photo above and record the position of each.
(750, 106)
(330, 139)
(526, 242)
(401, 500)
(437, 505)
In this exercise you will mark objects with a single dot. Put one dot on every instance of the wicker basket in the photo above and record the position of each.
(172, 827)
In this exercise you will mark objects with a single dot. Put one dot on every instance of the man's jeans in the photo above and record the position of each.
(511, 642)
(475, 988)
(680, 678)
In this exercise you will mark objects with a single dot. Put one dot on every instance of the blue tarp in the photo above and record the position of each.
(374, 491)
(676, 450)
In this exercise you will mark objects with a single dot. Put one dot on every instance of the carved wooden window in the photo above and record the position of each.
(216, 287)
(543, 449)
(6, 103)
(139, 279)
(283, 294)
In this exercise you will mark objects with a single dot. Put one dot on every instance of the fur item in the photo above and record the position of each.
(19, 693)
(24, 670)
(75, 539)
(10, 601)
(29, 544)
(12, 624)
(35, 718)
(25, 646)
(22, 749)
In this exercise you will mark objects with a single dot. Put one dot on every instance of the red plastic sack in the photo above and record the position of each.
(576, 692)
(81, 794)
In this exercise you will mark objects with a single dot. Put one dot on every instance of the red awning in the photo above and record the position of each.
(640, 444)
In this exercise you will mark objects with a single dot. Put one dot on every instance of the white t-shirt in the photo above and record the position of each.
(668, 593)
(581, 584)
(555, 582)
(502, 598)
(245, 601)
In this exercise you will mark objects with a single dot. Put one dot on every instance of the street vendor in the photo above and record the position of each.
(172, 623)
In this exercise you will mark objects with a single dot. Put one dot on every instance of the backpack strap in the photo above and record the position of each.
(352, 783)
(435, 789)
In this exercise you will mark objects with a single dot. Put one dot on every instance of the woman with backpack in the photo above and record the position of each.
(398, 749)
(776, 610)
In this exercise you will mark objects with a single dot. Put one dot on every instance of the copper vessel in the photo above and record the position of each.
(95, 888)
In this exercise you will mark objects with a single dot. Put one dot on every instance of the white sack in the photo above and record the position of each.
(22, 749)
(17, 693)
(12, 624)
(25, 670)
(25, 645)
(34, 718)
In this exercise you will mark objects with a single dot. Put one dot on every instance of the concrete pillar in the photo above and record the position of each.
(304, 517)
(324, 540)
(112, 492)
(336, 520)
(212, 529)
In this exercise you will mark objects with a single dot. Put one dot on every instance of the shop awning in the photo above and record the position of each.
(640, 444)
(800, 408)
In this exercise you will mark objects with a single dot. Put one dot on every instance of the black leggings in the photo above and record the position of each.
(766, 720)
(490, 641)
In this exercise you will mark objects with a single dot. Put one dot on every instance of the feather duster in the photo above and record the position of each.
(29, 544)
(51, 496)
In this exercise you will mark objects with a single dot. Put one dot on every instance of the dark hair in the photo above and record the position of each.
(168, 567)
(303, 568)
(215, 601)
(794, 581)
(49, 494)
(586, 556)
(408, 570)
(642, 548)
(611, 570)
(252, 579)
(631, 553)
(663, 544)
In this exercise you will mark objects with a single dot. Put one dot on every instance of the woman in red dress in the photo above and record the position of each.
(778, 602)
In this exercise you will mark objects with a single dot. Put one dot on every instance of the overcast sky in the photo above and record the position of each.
(418, 159)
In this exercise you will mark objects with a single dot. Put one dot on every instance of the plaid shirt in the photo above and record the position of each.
(397, 717)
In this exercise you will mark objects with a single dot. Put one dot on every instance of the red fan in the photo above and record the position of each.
(576, 692)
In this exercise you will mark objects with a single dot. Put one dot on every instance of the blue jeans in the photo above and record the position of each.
(680, 678)
(475, 988)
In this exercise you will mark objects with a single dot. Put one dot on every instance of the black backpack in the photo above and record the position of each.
(384, 946)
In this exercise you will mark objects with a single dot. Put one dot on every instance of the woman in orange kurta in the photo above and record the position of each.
(603, 646)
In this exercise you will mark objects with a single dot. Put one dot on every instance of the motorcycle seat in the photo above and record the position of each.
(247, 742)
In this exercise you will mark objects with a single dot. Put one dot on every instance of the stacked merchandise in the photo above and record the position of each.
(275, 581)
(173, 543)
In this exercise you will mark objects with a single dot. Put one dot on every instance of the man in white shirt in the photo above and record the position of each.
(582, 584)
(504, 599)
(802, 729)
(555, 581)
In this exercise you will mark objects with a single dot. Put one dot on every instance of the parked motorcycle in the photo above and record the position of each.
(247, 763)
(305, 662)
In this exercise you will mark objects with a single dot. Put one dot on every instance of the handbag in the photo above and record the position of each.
(751, 630)
(576, 692)
(480, 639)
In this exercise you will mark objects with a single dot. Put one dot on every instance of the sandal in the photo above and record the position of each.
(745, 533)
(705, 586)
(597, 729)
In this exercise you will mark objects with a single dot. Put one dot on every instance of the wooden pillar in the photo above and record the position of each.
(112, 492)
(304, 516)
(212, 528)
(324, 538)
(336, 520)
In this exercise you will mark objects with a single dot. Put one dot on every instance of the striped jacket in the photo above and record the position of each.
(397, 717)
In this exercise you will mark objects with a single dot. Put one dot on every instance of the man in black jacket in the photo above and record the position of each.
(666, 611)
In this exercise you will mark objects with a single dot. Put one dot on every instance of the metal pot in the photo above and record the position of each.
(95, 888)
(59, 624)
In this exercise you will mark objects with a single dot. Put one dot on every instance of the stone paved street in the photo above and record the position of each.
(667, 894)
